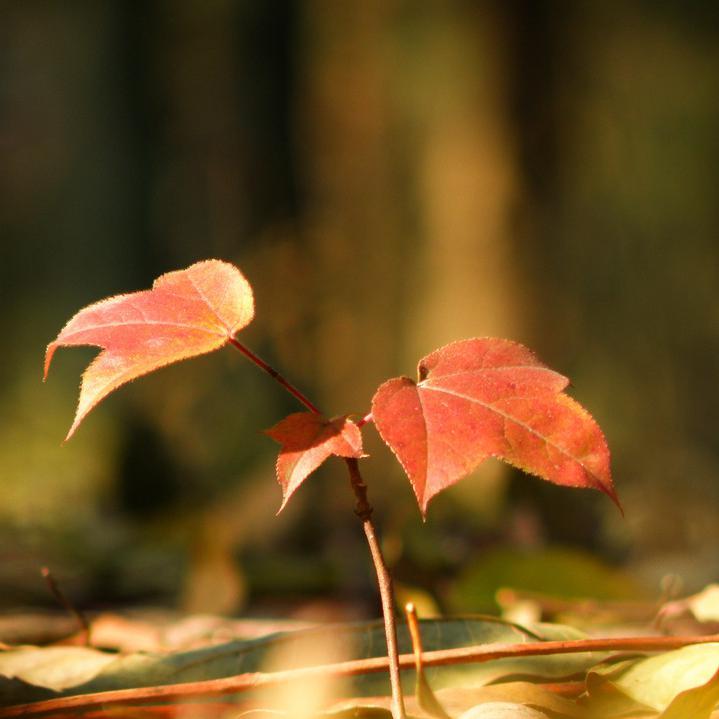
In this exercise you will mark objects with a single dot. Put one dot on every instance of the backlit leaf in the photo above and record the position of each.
(186, 313)
(679, 679)
(481, 398)
(307, 440)
(56, 668)
(695, 703)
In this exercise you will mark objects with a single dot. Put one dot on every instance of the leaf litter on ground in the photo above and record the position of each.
(686, 678)
(679, 684)
(53, 674)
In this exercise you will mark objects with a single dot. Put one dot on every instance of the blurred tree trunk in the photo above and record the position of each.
(358, 239)
(466, 284)
(467, 178)
(410, 187)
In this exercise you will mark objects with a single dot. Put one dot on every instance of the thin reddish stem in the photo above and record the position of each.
(362, 422)
(254, 680)
(364, 512)
(274, 374)
(384, 581)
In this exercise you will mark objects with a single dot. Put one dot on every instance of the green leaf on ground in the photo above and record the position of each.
(557, 571)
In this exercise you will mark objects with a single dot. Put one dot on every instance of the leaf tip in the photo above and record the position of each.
(75, 424)
(612, 494)
(49, 352)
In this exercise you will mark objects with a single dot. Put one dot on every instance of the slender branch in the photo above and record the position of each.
(56, 592)
(364, 512)
(384, 580)
(275, 375)
(253, 680)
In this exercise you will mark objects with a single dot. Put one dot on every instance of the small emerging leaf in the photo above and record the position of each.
(482, 398)
(307, 440)
(426, 698)
(186, 313)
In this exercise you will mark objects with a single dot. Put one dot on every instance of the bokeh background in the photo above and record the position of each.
(391, 176)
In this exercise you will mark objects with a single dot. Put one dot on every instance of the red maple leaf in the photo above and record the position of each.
(186, 313)
(482, 398)
(307, 440)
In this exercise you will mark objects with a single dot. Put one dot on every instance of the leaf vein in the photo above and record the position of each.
(426, 440)
(204, 298)
(528, 428)
(105, 325)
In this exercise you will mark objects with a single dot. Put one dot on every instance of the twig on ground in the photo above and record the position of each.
(56, 592)
(254, 680)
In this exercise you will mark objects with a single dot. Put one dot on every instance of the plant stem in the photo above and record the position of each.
(384, 581)
(274, 374)
(364, 511)
(362, 422)
(66, 604)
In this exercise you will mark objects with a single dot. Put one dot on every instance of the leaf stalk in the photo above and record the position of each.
(275, 375)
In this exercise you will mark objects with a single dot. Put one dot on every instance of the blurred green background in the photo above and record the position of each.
(390, 176)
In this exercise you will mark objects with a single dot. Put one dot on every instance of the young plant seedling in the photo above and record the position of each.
(473, 399)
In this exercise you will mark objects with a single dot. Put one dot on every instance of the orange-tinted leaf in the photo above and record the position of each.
(307, 440)
(482, 398)
(186, 313)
